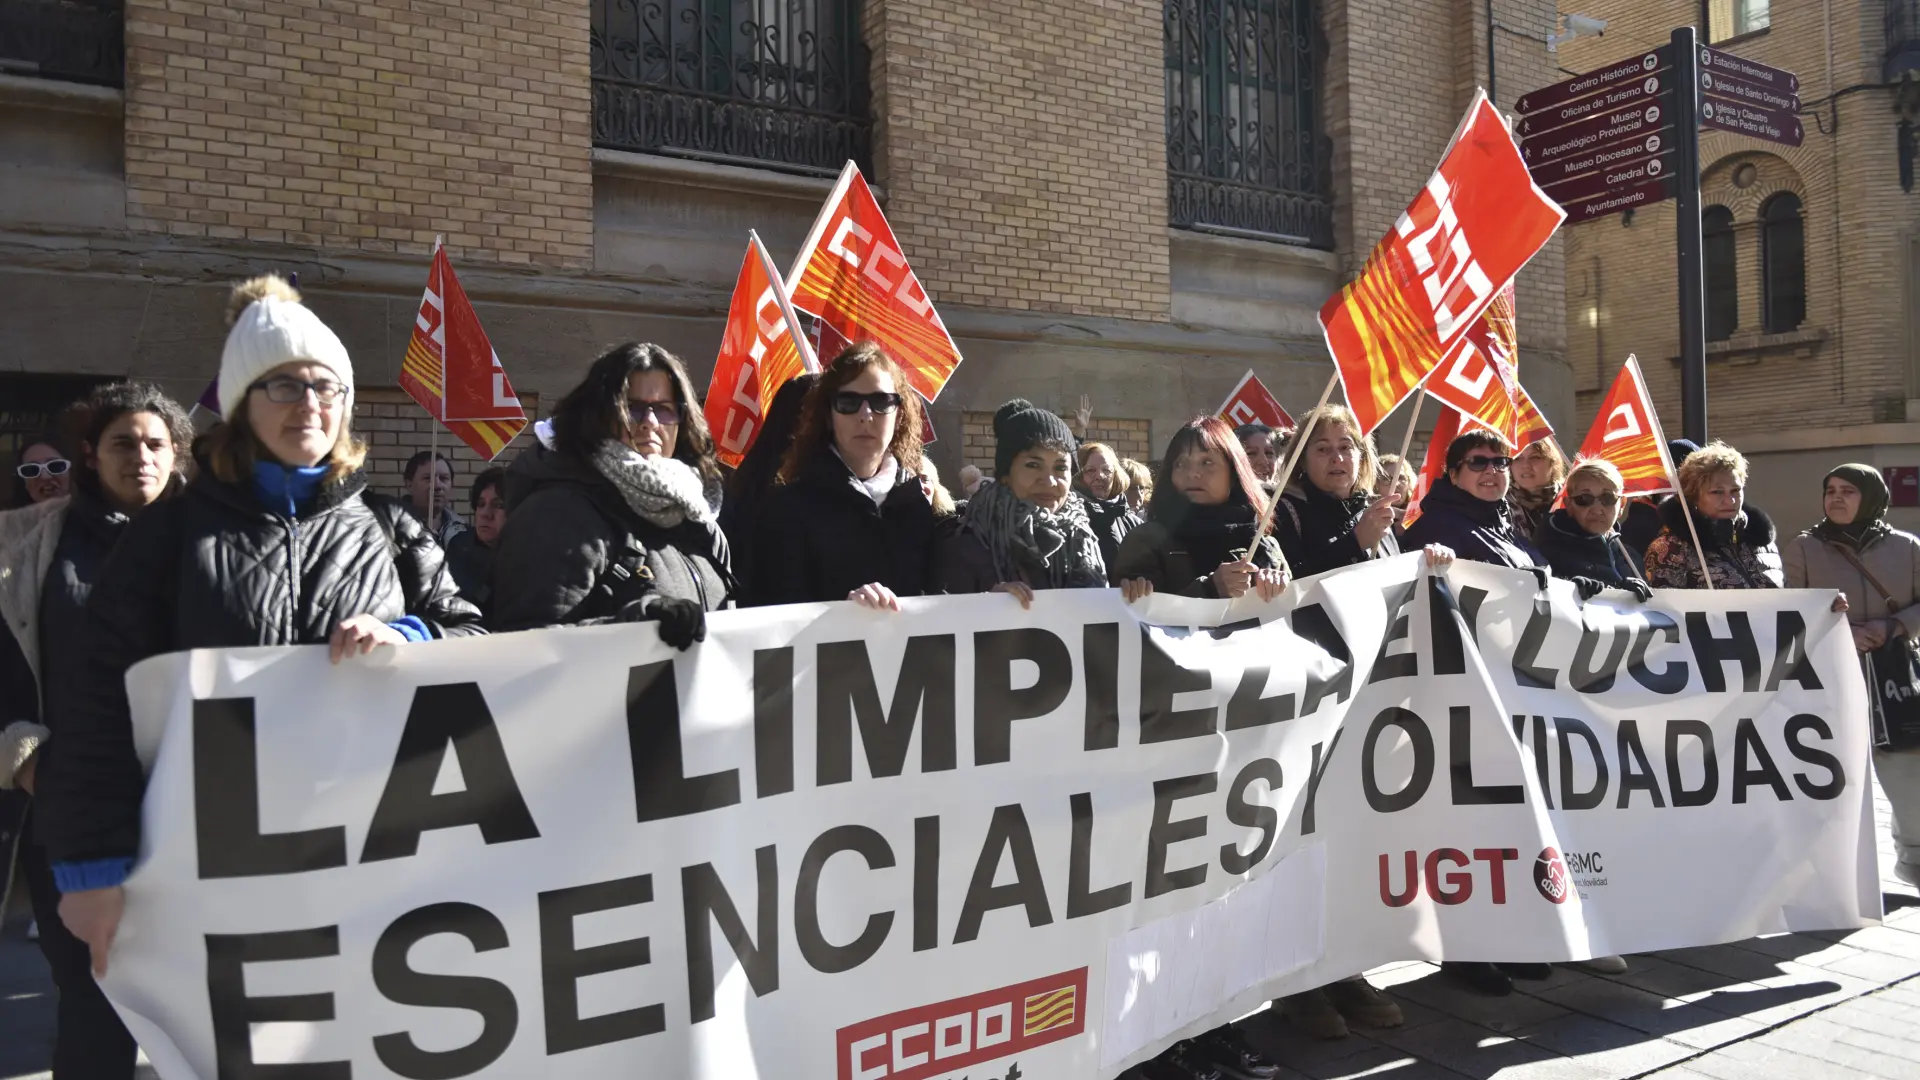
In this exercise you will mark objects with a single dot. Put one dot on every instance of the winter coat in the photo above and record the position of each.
(1893, 558)
(1060, 551)
(471, 564)
(1180, 557)
(1574, 552)
(569, 527)
(1316, 530)
(1640, 526)
(821, 537)
(1741, 554)
(1477, 530)
(221, 566)
(1111, 521)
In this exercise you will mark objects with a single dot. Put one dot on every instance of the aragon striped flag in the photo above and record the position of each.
(1627, 433)
(1477, 221)
(1480, 377)
(451, 368)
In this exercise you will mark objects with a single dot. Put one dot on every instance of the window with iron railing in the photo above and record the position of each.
(771, 83)
(1720, 272)
(1783, 263)
(1246, 150)
(1903, 40)
(70, 40)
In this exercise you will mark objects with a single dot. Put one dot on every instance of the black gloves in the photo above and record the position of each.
(1640, 589)
(681, 622)
(1591, 587)
(1542, 575)
(1587, 587)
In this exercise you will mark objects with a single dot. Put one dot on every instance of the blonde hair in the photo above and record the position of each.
(1139, 481)
(940, 497)
(1121, 481)
(231, 449)
(1604, 471)
(1706, 463)
(1366, 472)
(1555, 459)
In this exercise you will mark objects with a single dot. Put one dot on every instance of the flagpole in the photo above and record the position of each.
(807, 358)
(433, 438)
(1673, 474)
(1265, 523)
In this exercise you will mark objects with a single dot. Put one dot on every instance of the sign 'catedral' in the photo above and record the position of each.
(1057, 839)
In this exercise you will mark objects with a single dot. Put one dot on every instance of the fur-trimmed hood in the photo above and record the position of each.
(1753, 528)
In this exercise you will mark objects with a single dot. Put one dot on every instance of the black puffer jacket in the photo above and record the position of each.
(821, 537)
(567, 525)
(1316, 530)
(219, 568)
(1181, 557)
(1574, 552)
(1477, 530)
(1111, 521)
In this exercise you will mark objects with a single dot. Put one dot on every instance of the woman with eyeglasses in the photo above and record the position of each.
(54, 552)
(1198, 539)
(1581, 541)
(1467, 509)
(851, 518)
(43, 472)
(270, 544)
(609, 518)
(1742, 547)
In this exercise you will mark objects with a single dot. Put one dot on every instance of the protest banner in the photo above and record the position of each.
(762, 347)
(851, 274)
(836, 844)
(1478, 220)
(451, 369)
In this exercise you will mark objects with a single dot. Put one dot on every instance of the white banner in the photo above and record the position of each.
(834, 844)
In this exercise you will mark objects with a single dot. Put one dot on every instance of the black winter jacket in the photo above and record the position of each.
(1180, 558)
(1111, 520)
(821, 537)
(1574, 552)
(219, 568)
(1315, 530)
(567, 525)
(1476, 530)
(471, 564)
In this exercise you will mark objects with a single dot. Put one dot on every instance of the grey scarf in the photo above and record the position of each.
(664, 491)
(1056, 547)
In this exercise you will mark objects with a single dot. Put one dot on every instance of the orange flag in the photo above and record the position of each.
(1434, 465)
(1627, 433)
(851, 273)
(1251, 402)
(1480, 377)
(762, 348)
(451, 368)
(1469, 231)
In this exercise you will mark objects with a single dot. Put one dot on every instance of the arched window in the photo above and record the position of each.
(1722, 278)
(1783, 261)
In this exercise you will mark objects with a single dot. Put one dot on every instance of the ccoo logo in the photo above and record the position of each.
(1551, 878)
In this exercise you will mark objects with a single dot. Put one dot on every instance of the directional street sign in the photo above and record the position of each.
(1642, 194)
(1772, 125)
(1716, 63)
(1593, 81)
(1732, 89)
(1603, 128)
(1600, 183)
(1619, 98)
(1606, 156)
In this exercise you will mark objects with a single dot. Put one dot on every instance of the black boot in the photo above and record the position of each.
(1483, 978)
(1233, 1055)
(1180, 1062)
(1530, 972)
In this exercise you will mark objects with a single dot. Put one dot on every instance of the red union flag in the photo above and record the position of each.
(1469, 231)
(1627, 433)
(451, 368)
(1251, 402)
(851, 274)
(953, 1036)
(759, 352)
(1479, 377)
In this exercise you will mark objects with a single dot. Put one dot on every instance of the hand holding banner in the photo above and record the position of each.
(1479, 219)
(851, 273)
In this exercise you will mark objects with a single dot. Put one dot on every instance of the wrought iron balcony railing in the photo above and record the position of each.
(1246, 151)
(771, 83)
(1903, 40)
(71, 40)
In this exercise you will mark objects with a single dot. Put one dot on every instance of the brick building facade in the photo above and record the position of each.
(1137, 201)
(1812, 252)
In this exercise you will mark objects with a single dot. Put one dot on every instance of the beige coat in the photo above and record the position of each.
(28, 537)
(1894, 559)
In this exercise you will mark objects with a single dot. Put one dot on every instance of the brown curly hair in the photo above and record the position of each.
(815, 432)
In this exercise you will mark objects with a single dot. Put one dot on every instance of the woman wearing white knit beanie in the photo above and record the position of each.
(270, 545)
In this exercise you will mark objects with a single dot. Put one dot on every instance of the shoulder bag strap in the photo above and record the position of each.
(1868, 574)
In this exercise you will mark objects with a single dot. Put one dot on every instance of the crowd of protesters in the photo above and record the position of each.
(132, 538)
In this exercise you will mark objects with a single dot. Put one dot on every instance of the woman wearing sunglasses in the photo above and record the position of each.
(54, 552)
(1582, 540)
(609, 517)
(270, 544)
(1467, 508)
(43, 473)
(851, 519)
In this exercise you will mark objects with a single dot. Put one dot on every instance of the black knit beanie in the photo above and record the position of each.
(1020, 425)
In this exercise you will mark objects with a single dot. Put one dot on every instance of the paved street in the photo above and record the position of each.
(1787, 1007)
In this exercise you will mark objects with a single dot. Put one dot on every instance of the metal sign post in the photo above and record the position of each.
(1685, 101)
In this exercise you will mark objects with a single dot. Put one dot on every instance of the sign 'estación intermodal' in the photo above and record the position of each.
(1604, 142)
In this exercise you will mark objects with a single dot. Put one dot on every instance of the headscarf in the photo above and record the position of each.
(1870, 523)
